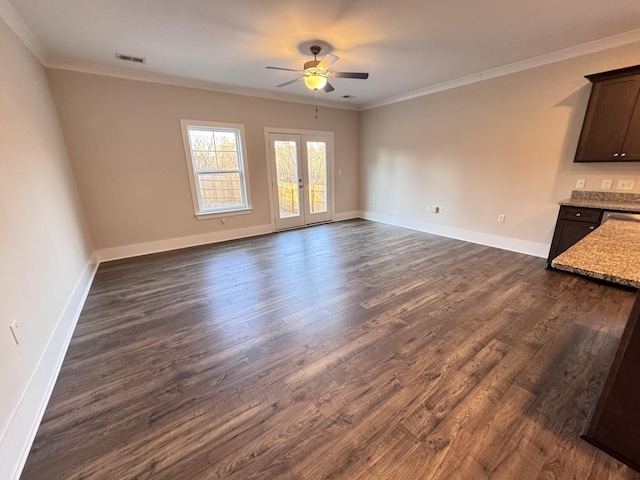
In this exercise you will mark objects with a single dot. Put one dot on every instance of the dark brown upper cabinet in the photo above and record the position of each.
(611, 128)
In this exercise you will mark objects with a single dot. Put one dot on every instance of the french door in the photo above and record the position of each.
(301, 179)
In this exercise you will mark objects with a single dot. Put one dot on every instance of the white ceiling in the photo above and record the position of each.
(405, 45)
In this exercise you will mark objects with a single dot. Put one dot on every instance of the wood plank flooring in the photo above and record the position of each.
(352, 350)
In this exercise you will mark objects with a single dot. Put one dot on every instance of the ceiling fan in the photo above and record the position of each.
(316, 74)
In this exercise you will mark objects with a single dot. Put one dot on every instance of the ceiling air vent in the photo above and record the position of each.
(130, 58)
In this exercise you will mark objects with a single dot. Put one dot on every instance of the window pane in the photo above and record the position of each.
(286, 161)
(228, 161)
(225, 142)
(220, 190)
(317, 168)
(201, 140)
(287, 176)
(205, 161)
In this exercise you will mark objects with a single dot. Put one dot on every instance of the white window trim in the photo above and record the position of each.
(195, 195)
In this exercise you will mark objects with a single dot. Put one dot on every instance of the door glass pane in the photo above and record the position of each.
(317, 157)
(287, 177)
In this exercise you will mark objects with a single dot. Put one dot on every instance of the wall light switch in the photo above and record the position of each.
(500, 218)
(580, 183)
(626, 184)
(16, 331)
(606, 184)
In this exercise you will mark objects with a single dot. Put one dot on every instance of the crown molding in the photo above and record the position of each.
(15, 22)
(24, 33)
(144, 76)
(565, 54)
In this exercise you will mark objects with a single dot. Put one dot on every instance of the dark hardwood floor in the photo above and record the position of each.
(353, 350)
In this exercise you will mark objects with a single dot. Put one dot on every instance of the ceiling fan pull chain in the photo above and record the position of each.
(316, 94)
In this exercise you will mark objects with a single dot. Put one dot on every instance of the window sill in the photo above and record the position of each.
(228, 213)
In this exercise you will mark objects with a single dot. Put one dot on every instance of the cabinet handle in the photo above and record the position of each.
(578, 214)
(591, 227)
(623, 155)
(615, 154)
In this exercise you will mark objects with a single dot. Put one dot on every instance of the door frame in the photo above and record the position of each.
(329, 135)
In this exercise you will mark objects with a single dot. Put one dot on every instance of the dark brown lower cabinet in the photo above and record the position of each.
(573, 225)
(614, 425)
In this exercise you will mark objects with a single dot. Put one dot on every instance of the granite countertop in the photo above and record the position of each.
(611, 252)
(616, 201)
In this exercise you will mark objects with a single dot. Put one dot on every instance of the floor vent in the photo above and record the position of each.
(130, 58)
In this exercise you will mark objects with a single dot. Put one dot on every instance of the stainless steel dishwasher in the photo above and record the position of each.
(624, 217)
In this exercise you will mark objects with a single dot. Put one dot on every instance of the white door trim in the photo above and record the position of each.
(330, 154)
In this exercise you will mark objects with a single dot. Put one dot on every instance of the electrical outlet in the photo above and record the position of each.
(500, 218)
(606, 184)
(626, 184)
(16, 332)
(580, 183)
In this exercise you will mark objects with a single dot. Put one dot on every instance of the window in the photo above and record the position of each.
(217, 167)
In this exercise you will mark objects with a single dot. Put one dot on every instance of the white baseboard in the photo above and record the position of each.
(138, 249)
(505, 243)
(23, 426)
(128, 251)
(339, 217)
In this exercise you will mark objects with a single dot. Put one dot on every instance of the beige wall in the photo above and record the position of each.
(40, 219)
(126, 148)
(500, 146)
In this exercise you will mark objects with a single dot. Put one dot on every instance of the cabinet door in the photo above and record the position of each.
(631, 147)
(615, 421)
(567, 234)
(607, 119)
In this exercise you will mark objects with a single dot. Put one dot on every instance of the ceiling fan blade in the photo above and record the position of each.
(289, 82)
(328, 60)
(328, 88)
(287, 69)
(362, 76)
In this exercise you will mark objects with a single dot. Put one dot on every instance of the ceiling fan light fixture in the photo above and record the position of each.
(315, 82)
(316, 73)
